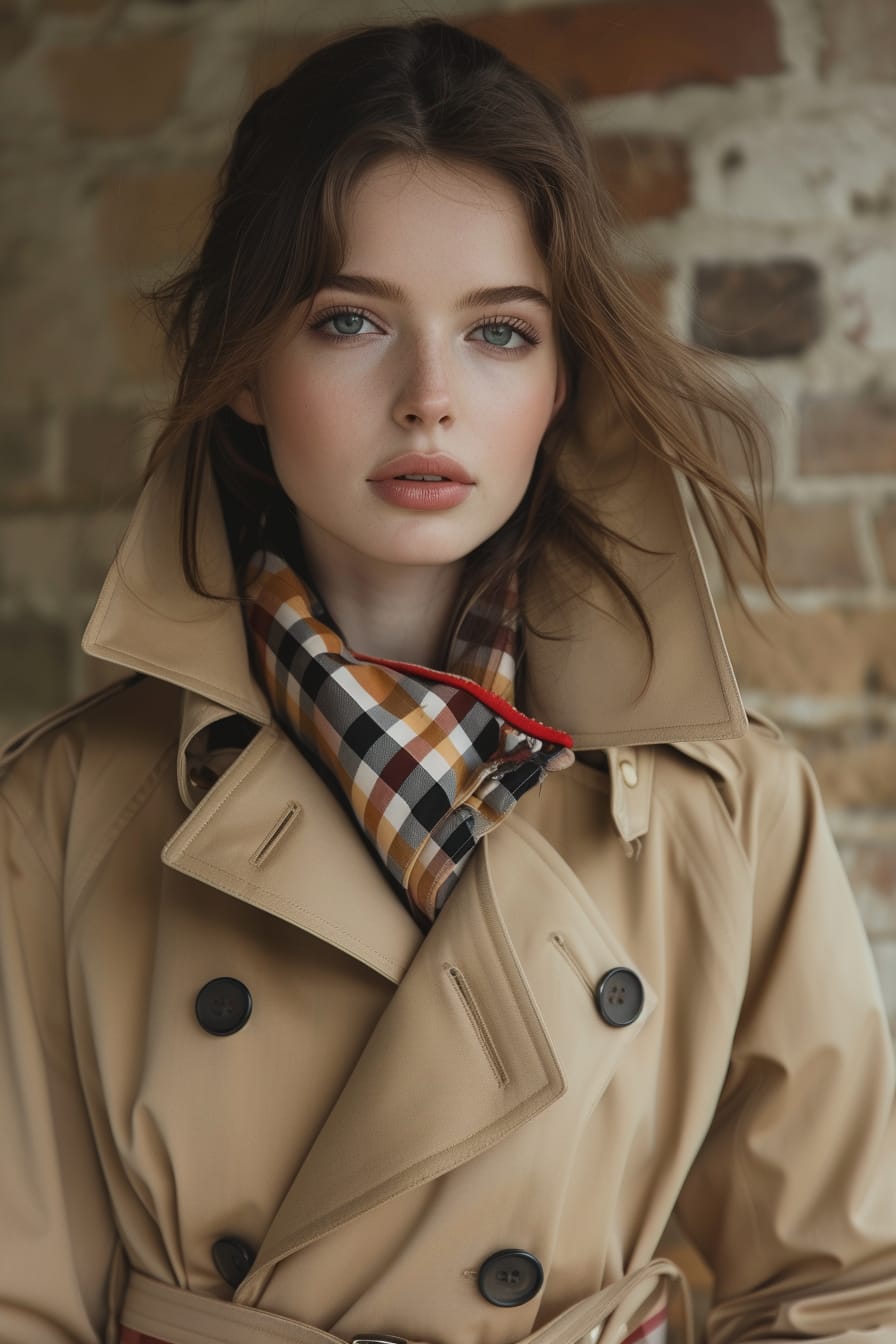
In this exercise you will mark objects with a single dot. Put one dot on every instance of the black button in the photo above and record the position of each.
(233, 1259)
(223, 1006)
(619, 997)
(509, 1278)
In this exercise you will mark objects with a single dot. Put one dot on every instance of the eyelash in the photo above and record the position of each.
(529, 335)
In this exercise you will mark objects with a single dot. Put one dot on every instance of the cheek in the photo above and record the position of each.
(295, 399)
(521, 423)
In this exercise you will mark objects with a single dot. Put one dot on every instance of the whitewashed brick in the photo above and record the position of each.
(865, 305)
(826, 162)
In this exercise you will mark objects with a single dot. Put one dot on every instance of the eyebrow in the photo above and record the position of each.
(477, 298)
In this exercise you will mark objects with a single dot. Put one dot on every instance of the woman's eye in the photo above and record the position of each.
(346, 323)
(501, 334)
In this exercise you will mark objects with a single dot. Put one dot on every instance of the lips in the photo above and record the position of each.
(423, 464)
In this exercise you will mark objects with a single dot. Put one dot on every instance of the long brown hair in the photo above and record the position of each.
(427, 88)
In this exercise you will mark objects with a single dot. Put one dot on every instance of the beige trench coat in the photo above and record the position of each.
(398, 1108)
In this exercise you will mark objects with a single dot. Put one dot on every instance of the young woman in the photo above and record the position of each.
(422, 920)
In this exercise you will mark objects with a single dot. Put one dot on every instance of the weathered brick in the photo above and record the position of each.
(103, 457)
(648, 176)
(628, 46)
(49, 562)
(273, 59)
(872, 874)
(884, 953)
(849, 432)
(757, 309)
(34, 665)
(15, 32)
(124, 87)
(22, 476)
(772, 414)
(810, 546)
(855, 763)
(865, 296)
(96, 539)
(885, 531)
(139, 341)
(73, 6)
(838, 651)
(858, 39)
(153, 218)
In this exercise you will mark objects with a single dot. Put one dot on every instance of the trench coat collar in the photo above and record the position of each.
(584, 673)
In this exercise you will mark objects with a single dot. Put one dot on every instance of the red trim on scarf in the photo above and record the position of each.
(647, 1327)
(514, 716)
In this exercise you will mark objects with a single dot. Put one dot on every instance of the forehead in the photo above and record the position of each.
(440, 220)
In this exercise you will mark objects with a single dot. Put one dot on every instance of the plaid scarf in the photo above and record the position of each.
(429, 761)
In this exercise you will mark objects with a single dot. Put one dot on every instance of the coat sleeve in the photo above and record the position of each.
(59, 1239)
(792, 1198)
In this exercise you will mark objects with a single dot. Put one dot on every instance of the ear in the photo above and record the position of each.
(245, 403)
(560, 390)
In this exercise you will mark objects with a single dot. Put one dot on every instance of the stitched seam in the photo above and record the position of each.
(471, 1008)
(213, 811)
(200, 867)
(476, 1143)
(197, 866)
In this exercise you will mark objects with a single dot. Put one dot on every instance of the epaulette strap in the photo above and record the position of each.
(717, 756)
(23, 740)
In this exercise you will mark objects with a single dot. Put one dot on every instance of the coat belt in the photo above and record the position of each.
(156, 1313)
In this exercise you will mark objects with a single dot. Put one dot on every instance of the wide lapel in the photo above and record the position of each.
(271, 833)
(476, 1041)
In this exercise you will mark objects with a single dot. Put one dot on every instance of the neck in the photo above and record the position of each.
(394, 611)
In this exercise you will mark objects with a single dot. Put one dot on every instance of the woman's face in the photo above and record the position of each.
(402, 360)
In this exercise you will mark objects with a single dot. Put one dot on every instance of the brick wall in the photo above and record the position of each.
(751, 147)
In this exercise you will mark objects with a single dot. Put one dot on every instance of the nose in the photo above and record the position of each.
(425, 398)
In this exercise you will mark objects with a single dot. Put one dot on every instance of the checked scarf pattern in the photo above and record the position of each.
(428, 760)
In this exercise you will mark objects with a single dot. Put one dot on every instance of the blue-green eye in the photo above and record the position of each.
(353, 319)
(349, 318)
(505, 333)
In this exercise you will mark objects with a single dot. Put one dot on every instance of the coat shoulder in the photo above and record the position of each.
(68, 780)
(136, 698)
(760, 747)
(134, 716)
(762, 779)
(19, 744)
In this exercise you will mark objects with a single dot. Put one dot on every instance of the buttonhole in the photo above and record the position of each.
(290, 813)
(471, 1007)
(572, 960)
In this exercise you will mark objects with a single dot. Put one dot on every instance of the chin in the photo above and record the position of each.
(420, 549)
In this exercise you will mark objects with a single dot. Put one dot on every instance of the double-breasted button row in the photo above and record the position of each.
(506, 1279)
(510, 1278)
(619, 997)
(223, 1006)
(233, 1259)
